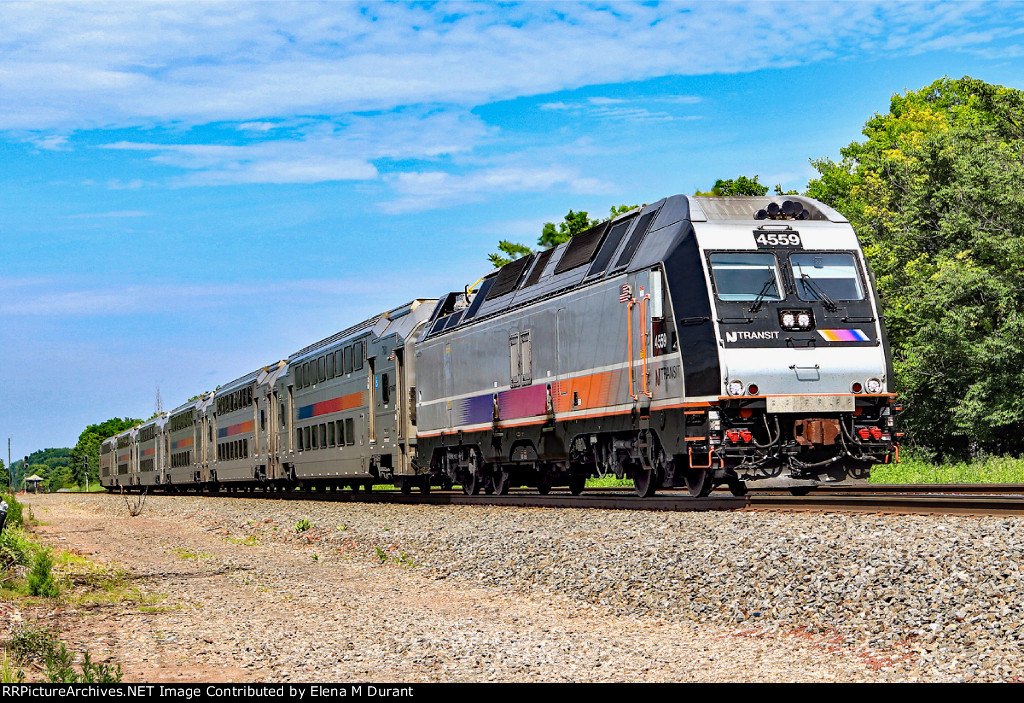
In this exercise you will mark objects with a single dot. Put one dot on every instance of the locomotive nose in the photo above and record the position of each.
(800, 372)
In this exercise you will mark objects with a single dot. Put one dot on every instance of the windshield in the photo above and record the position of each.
(835, 275)
(745, 276)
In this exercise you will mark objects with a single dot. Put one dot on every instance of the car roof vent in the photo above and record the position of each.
(582, 248)
(508, 277)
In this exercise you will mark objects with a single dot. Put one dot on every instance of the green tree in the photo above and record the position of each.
(88, 445)
(935, 195)
(552, 235)
(741, 185)
(510, 251)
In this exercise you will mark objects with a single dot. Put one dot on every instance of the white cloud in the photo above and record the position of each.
(426, 190)
(80, 66)
(621, 109)
(320, 151)
(52, 143)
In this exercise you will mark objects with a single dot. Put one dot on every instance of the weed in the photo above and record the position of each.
(342, 527)
(14, 511)
(40, 579)
(316, 557)
(31, 644)
(98, 584)
(158, 608)
(402, 559)
(14, 549)
(60, 668)
(8, 672)
(303, 525)
(249, 541)
(185, 554)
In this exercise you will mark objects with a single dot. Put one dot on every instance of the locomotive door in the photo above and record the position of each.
(639, 343)
(448, 385)
(371, 401)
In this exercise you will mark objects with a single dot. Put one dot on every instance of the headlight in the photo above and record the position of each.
(874, 385)
(796, 320)
(735, 387)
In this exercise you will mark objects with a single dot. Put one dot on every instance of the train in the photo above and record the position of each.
(694, 342)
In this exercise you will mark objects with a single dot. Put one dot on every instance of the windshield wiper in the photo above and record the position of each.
(810, 285)
(759, 300)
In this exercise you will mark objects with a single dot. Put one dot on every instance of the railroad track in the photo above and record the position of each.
(961, 499)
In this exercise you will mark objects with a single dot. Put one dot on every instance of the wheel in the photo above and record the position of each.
(544, 488)
(737, 487)
(577, 482)
(645, 482)
(471, 484)
(801, 490)
(699, 482)
(500, 482)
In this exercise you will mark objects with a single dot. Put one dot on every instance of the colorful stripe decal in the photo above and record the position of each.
(843, 335)
(149, 452)
(595, 390)
(122, 458)
(235, 429)
(182, 443)
(345, 402)
(591, 391)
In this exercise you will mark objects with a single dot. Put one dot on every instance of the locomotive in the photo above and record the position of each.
(694, 342)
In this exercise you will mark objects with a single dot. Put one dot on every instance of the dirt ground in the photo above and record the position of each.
(203, 604)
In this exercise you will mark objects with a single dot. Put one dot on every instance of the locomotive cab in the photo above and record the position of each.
(803, 365)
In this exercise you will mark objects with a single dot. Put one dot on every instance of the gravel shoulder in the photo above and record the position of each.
(229, 591)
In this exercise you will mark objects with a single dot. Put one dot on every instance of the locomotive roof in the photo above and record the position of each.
(634, 240)
(609, 248)
(745, 207)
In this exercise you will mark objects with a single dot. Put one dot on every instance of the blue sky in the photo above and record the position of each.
(189, 191)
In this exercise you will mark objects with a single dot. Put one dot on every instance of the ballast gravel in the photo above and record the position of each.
(468, 593)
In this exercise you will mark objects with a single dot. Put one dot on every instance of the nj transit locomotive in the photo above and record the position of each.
(694, 342)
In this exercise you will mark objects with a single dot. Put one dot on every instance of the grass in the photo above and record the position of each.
(993, 469)
(912, 470)
(186, 554)
(249, 541)
(609, 481)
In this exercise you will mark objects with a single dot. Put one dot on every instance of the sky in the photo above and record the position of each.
(191, 191)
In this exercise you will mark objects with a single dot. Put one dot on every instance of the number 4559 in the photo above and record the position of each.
(778, 239)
